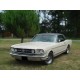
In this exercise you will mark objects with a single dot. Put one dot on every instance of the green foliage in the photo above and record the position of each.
(66, 22)
(27, 21)
(21, 22)
(74, 22)
(0, 18)
(20, 32)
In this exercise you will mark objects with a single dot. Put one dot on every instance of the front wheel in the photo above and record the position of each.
(49, 59)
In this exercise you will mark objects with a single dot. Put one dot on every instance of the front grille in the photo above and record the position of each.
(28, 51)
(23, 51)
(19, 50)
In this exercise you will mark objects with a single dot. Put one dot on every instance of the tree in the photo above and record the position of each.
(61, 21)
(74, 22)
(57, 18)
(44, 18)
(0, 22)
(1, 25)
(21, 23)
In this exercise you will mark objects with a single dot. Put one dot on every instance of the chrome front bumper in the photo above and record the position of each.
(30, 57)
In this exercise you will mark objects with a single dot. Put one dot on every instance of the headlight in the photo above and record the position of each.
(13, 50)
(39, 51)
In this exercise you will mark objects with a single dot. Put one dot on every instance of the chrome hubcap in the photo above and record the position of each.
(49, 60)
(68, 50)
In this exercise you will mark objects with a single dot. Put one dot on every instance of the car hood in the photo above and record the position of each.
(34, 45)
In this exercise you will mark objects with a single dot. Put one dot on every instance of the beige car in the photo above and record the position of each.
(43, 47)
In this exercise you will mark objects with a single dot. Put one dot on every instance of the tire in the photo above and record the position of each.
(50, 59)
(67, 50)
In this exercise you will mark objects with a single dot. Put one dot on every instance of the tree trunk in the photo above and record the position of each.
(22, 40)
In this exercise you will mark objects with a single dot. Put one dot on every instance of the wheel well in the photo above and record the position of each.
(68, 46)
(51, 52)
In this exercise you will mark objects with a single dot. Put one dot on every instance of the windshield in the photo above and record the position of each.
(44, 38)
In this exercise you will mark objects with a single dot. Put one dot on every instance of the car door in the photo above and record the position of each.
(60, 44)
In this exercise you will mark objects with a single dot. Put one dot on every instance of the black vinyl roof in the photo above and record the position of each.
(49, 34)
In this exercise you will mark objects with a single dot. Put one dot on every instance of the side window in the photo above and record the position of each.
(60, 38)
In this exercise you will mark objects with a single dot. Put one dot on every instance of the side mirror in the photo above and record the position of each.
(60, 40)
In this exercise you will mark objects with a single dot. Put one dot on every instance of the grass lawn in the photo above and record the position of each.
(62, 62)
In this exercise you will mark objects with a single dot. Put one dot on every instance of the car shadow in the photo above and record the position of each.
(27, 63)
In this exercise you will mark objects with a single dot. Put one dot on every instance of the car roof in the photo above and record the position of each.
(49, 34)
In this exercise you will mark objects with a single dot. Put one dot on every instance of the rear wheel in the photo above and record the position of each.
(67, 50)
(49, 59)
